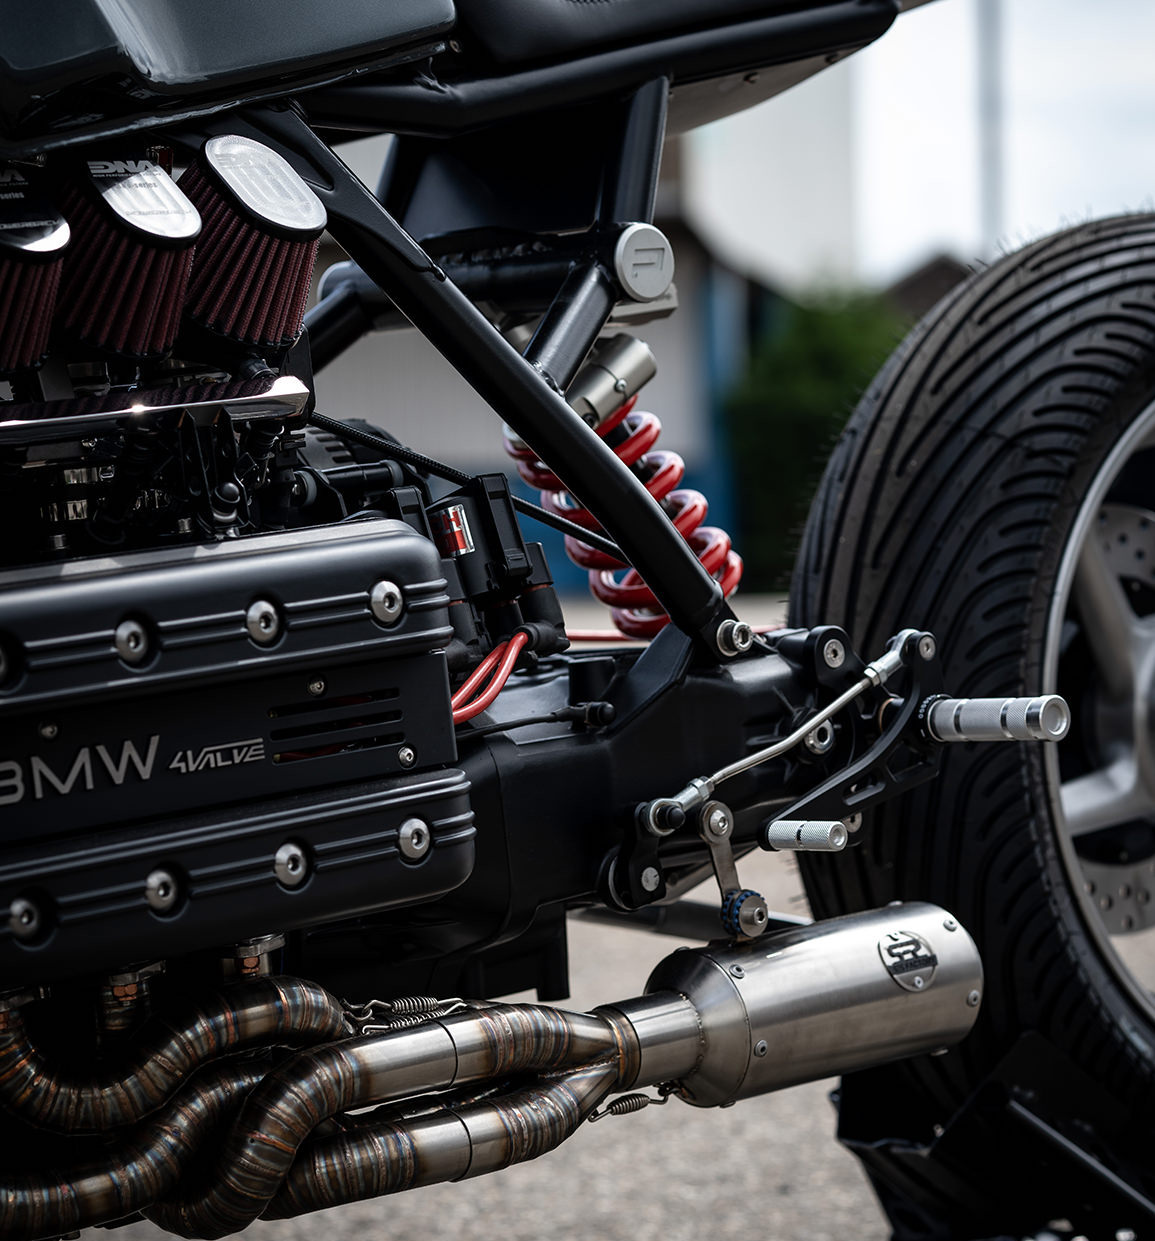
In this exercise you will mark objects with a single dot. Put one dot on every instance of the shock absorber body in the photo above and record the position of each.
(605, 395)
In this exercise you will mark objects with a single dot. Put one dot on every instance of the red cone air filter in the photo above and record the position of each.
(255, 260)
(127, 269)
(32, 240)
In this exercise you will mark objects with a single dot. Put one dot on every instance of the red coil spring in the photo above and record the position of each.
(634, 608)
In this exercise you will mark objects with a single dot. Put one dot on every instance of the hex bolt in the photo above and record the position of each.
(718, 822)
(973, 999)
(131, 642)
(291, 865)
(734, 637)
(927, 647)
(650, 879)
(407, 756)
(385, 602)
(263, 622)
(834, 653)
(414, 839)
(24, 918)
(48, 731)
(761, 1048)
(316, 687)
(161, 890)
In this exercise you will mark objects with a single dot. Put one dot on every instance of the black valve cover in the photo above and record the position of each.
(205, 747)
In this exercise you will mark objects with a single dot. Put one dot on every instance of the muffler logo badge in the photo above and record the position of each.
(909, 960)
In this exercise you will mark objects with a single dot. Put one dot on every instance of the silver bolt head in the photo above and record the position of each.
(761, 1048)
(407, 756)
(927, 647)
(131, 642)
(736, 971)
(718, 822)
(819, 740)
(650, 879)
(853, 822)
(973, 999)
(949, 924)
(316, 687)
(753, 916)
(385, 602)
(414, 839)
(291, 865)
(48, 731)
(263, 622)
(24, 920)
(161, 890)
(834, 653)
(734, 637)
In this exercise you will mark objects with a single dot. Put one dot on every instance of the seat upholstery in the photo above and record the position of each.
(512, 31)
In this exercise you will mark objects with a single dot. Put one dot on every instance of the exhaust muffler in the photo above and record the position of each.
(729, 1022)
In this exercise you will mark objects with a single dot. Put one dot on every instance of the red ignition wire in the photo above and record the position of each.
(508, 657)
(478, 675)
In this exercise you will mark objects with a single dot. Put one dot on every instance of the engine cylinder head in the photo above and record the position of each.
(254, 264)
(33, 235)
(127, 269)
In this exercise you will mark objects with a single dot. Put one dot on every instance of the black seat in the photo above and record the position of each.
(525, 30)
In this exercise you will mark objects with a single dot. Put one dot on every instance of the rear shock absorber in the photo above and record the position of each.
(604, 395)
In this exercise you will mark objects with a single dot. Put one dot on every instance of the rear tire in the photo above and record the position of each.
(961, 499)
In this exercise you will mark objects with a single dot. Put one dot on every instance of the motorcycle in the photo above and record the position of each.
(300, 766)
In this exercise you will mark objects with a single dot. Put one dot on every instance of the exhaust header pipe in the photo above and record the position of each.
(720, 1023)
(733, 1021)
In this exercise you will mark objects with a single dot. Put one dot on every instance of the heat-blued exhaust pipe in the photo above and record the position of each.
(740, 1020)
(479, 1089)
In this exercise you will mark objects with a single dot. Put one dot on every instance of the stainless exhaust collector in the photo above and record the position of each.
(477, 1090)
(733, 1021)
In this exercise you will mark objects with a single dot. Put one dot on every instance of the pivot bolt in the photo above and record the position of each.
(131, 642)
(24, 918)
(718, 822)
(650, 879)
(291, 865)
(263, 622)
(927, 647)
(834, 653)
(385, 602)
(161, 890)
(734, 637)
(414, 839)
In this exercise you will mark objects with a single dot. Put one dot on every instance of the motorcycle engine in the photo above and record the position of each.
(223, 680)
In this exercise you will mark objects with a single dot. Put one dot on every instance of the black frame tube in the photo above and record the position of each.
(588, 468)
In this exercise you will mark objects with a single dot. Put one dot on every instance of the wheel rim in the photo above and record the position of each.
(1100, 651)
